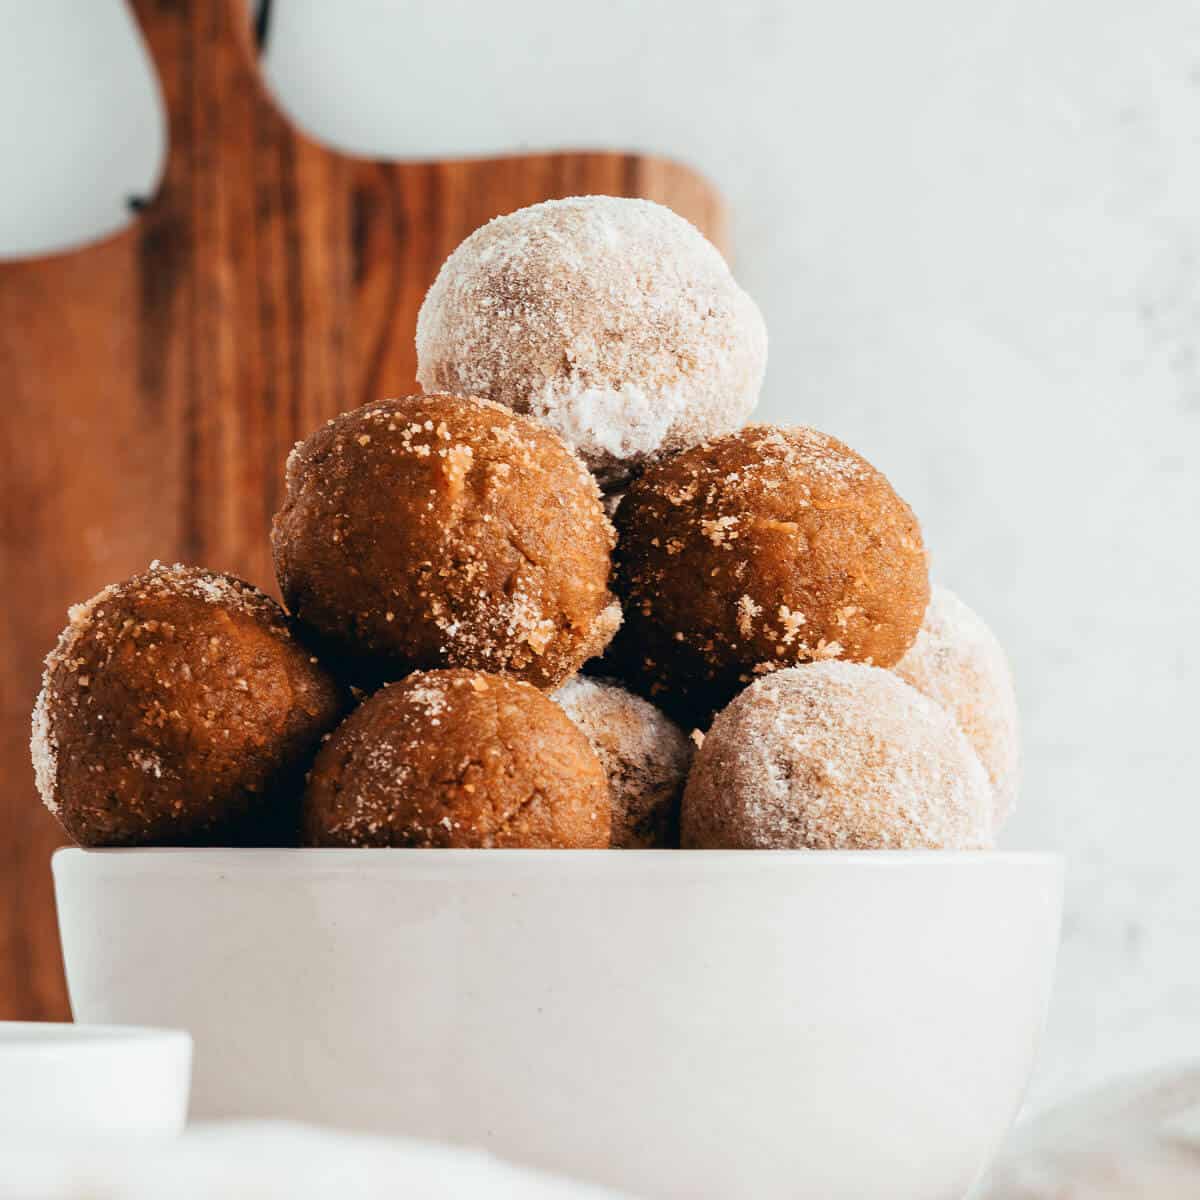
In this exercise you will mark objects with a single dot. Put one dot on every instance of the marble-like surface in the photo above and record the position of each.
(975, 233)
(1131, 1139)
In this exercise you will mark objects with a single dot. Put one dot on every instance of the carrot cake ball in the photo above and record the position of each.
(760, 550)
(178, 708)
(957, 661)
(614, 321)
(836, 756)
(457, 758)
(436, 531)
(644, 754)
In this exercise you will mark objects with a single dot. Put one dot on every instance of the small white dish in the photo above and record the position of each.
(671, 1023)
(92, 1081)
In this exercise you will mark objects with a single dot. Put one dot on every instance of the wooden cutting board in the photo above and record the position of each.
(154, 382)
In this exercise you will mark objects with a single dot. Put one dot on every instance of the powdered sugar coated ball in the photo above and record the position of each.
(612, 320)
(957, 661)
(644, 754)
(833, 756)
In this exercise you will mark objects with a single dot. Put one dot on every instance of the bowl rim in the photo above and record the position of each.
(479, 862)
(57, 1038)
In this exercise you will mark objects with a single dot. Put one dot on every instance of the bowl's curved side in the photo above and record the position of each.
(720, 1028)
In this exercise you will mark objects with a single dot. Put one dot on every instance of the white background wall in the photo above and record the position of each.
(975, 231)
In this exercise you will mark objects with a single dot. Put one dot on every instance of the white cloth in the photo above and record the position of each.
(258, 1160)
(1136, 1139)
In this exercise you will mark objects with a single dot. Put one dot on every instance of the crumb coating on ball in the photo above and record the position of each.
(645, 755)
(613, 320)
(757, 551)
(836, 756)
(177, 707)
(458, 758)
(436, 531)
(957, 661)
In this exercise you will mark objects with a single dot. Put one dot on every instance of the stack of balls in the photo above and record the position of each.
(450, 566)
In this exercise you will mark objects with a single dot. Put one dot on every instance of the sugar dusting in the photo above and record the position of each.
(375, 756)
(481, 463)
(762, 493)
(147, 761)
(43, 744)
(621, 423)
(427, 695)
(957, 662)
(836, 755)
(452, 757)
(43, 748)
(613, 320)
(159, 579)
(644, 754)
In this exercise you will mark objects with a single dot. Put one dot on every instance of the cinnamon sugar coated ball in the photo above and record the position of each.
(436, 531)
(614, 321)
(957, 661)
(177, 708)
(756, 551)
(833, 756)
(457, 758)
(644, 754)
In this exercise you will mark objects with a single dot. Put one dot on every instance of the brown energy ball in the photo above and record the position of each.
(957, 661)
(644, 754)
(834, 756)
(177, 708)
(441, 532)
(613, 320)
(457, 758)
(756, 551)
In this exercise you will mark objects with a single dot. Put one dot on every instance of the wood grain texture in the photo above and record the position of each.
(153, 383)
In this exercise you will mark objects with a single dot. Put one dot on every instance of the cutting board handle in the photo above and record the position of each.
(216, 100)
(205, 54)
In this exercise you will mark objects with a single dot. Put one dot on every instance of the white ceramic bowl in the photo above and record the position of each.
(80, 1081)
(676, 1023)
